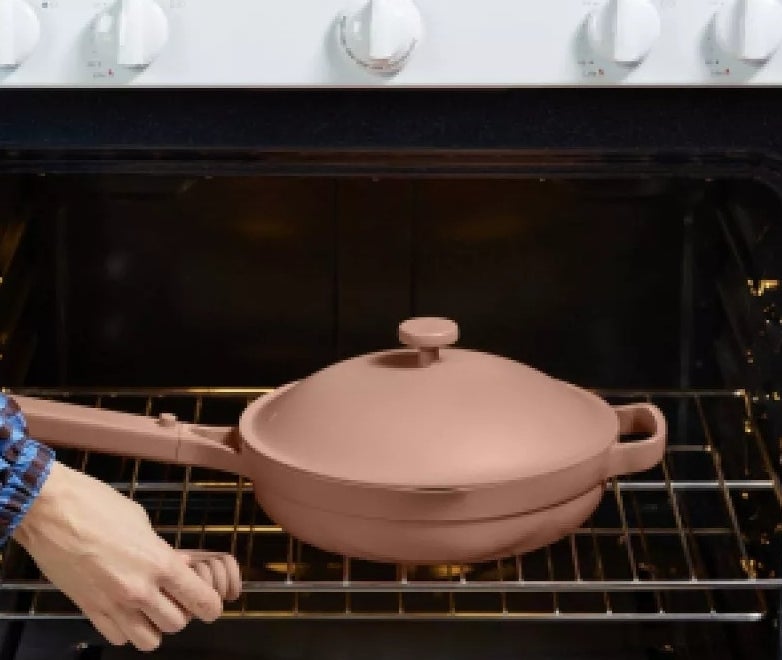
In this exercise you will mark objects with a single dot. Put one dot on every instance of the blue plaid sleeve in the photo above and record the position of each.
(24, 467)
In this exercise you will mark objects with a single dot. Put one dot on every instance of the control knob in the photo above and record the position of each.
(20, 31)
(380, 35)
(624, 31)
(132, 33)
(749, 30)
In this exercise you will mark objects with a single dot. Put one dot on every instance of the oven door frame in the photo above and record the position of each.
(703, 133)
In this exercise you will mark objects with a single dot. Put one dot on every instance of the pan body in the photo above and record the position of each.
(427, 542)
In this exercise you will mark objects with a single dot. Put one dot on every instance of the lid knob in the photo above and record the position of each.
(428, 335)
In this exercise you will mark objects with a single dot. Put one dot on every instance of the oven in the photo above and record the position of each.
(241, 193)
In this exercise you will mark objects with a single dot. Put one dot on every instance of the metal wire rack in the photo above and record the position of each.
(689, 540)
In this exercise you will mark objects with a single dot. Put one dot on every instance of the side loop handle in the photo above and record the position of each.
(631, 457)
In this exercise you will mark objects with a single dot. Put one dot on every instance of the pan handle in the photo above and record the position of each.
(630, 457)
(160, 439)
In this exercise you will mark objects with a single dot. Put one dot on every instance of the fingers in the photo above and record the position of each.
(183, 592)
(107, 628)
(234, 578)
(204, 572)
(218, 569)
(139, 630)
(165, 614)
(219, 576)
(193, 593)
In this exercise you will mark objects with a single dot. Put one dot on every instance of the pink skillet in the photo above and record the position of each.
(422, 454)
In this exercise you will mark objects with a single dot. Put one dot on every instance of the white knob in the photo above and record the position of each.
(135, 30)
(624, 30)
(749, 29)
(380, 35)
(20, 31)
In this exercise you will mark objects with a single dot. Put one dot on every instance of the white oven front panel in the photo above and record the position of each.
(382, 43)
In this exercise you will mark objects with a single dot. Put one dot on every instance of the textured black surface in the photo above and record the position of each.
(358, 641)
(604, 119)
(292, 640)
(243, 280)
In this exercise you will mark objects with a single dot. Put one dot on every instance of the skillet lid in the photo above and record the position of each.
(429, 416)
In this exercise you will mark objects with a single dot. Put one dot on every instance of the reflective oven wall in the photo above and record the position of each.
(175, 281)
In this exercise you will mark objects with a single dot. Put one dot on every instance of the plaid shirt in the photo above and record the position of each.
(24, 467)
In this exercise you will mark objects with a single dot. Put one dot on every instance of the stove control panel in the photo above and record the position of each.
(389, 43)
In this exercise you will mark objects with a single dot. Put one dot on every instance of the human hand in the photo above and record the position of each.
(217, 569)
(98, 547)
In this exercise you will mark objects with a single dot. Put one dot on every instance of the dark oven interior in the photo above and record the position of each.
(187, 293)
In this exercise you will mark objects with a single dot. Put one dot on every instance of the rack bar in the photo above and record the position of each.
(456, 586)
(624, 486)
(531, 617)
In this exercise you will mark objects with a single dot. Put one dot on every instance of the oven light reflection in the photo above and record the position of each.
(758, 288)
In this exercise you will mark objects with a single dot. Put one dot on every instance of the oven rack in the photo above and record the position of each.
(691, 540)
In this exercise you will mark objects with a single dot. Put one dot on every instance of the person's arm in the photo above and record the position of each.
(99, 548)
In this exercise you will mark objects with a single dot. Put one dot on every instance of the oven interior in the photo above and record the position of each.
(194, 294)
